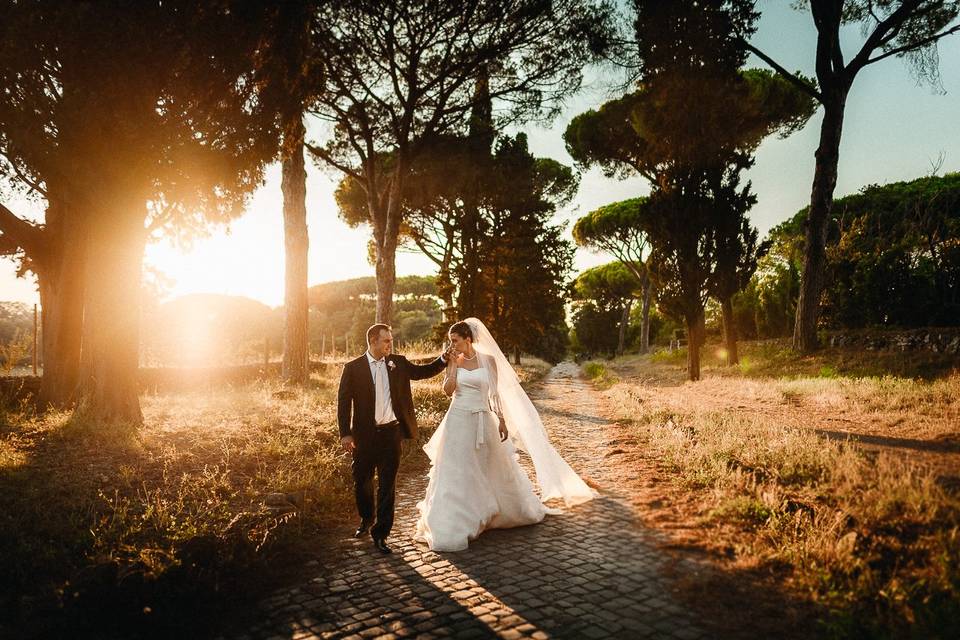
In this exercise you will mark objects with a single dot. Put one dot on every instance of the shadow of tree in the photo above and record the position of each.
(77, 560)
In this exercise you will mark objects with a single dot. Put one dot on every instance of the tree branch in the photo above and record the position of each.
(892, 22)
(18, 231)
(914, 45)
(792, 78)
(326, 157)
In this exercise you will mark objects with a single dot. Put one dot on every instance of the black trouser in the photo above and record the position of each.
(380, 454)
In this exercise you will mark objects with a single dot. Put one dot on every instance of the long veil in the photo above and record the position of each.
(555, 477)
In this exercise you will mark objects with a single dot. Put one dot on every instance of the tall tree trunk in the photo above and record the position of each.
(56, 253)
(624, 323)
(61, 281)
(445, 289)
(729, 331)
(296, 367)
(695, 335)
(645, 314)
(821, 200)
(387, 218)
(386, 270)
(516, 355)
(108, 390)
(470, 249)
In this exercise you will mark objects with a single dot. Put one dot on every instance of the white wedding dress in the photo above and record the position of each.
(475, 481)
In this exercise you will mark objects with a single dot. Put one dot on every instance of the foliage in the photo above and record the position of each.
(330, 294)
(595, 329)
(346, 307)
(692, 152)
(200, 144)
(893, 259)
(483, 216)
(14, 317)
(600, 295)
(524, 260)
(15, 350)
(480, 207)
(908, 29)
(608, 285)
(599, 374)
(401, 75)
(131, 120)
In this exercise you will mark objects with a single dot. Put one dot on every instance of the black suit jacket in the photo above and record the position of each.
(356, 398)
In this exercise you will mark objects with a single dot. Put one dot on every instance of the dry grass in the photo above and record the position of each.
(222, 492)
(872, 536)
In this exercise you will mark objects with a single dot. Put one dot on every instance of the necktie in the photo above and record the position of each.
(381, 386)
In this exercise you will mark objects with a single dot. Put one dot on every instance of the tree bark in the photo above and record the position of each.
(469, 276)
(386, 269)
(61, 280)
(695, 331)
(56, 254)
(645, 314)
(108, 390)
(729, 331)
(516, 356)
(295, 367)
(624, 323)
(387, 218)
(821, 200)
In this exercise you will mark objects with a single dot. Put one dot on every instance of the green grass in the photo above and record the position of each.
(667, 356)
(599, 374)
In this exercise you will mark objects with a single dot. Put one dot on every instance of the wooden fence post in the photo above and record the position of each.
(35, 331)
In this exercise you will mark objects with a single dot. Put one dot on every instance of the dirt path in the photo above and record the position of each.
(593, 572)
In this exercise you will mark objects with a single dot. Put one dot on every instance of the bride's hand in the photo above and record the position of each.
(504, 434)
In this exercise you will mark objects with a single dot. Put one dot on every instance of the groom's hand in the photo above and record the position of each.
(452, 360)
(348, 443)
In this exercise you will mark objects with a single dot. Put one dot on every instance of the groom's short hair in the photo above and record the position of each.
(374, 331)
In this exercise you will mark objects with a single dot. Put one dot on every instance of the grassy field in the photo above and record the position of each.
(221, 493)
(837, 473)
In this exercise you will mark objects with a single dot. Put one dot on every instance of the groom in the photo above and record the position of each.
(375, 388)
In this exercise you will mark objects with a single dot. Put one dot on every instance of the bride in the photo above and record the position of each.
(475, 480)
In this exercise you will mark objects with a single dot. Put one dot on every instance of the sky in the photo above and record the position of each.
(895, 129)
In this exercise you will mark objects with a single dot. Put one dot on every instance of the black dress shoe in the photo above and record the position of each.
(362, 529)
(381, 544)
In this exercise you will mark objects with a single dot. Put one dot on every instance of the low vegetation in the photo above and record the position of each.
(870, 534)
(221, 493)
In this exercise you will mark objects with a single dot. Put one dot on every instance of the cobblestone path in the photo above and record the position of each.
(592, 572)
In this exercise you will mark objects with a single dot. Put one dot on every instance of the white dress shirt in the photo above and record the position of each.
(381, 383)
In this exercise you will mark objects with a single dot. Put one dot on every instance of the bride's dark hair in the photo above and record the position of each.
(463, 330)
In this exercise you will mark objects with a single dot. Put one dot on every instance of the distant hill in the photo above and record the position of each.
(215, 305)
(207, 329)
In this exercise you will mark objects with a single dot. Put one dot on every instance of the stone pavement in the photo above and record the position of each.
(593, 572)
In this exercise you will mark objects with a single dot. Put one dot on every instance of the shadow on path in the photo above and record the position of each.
(592, 572)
